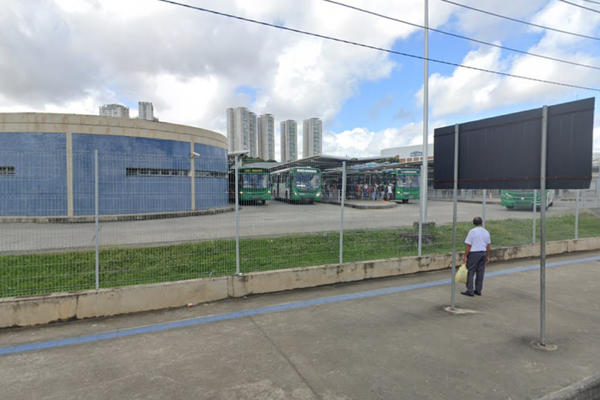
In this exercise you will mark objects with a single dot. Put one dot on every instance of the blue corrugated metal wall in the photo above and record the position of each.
(39, 184)
(211, 192)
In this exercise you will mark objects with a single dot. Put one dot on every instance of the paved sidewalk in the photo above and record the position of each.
(381, 339)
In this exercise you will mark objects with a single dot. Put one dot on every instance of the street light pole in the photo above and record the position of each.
(425, 115)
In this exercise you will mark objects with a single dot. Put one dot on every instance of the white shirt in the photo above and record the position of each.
(478, 238)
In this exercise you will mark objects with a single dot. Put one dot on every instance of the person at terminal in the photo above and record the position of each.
(390, 191)
(477, 256)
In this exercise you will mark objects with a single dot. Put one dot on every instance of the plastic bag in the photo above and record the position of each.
(461, 274)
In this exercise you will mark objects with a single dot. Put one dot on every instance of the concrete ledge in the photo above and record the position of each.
(34, 310)
(114, 218)
(587, 389)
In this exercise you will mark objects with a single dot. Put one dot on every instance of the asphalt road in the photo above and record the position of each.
(276, 218)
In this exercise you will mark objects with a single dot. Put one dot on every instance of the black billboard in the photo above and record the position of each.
(505, 152)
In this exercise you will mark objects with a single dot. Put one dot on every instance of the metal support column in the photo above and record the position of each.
(420, 242)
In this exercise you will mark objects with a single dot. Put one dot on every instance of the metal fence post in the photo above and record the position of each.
(96, 212)
(237, 217)
(577, 197)
(342, 215)
(484, 200)
(534, 213)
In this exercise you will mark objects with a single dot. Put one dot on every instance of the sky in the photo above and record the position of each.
(72, 56)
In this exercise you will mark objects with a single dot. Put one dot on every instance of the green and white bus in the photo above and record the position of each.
(524, 199)
(297, 184)
(406, 183)
(253, 185)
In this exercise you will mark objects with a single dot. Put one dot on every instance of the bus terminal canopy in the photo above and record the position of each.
(323, 162)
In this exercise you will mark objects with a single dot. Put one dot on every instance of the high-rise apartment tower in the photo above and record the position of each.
(146, 111)
(312, 137)
(289, 141)
(241, 131)
(266, 137)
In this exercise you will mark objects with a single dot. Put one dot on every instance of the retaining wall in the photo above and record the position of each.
(34, 310)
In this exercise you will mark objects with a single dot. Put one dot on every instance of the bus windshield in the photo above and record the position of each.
(255, 181)
(408, 181)
(307, 181)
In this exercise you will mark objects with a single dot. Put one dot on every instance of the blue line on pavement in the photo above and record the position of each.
(21, 348)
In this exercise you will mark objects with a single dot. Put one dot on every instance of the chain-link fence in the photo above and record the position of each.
(123, 220)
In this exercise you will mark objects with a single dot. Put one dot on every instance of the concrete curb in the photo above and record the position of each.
(113, 218)
(35, 310)
(586, 389)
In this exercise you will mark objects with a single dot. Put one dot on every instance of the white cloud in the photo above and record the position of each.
(361, 142)
(466, 90)
(73, 56)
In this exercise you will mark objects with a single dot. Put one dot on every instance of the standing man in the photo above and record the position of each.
(390, 192)
(477, 255)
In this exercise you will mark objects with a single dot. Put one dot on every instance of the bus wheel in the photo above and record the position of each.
(404, 201)
(264, 202)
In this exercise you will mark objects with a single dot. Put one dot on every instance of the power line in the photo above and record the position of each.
(461, 37)
(580, 6)
(591, 1)
(372, 47)
(522, 22)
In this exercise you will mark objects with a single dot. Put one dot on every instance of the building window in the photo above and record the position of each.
(211, 174)
(172, 172)
(156, 172)
(4, 171)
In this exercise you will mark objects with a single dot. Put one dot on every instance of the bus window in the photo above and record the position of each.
(259, 181)
(306, 181)
(408, 181)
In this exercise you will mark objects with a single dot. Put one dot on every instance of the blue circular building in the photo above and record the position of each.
(48, 166)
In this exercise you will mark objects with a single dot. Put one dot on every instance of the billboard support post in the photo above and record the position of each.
(421, 212)
(454, 209)
(543, 227)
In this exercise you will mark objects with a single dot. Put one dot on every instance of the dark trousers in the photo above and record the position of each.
(476, 267)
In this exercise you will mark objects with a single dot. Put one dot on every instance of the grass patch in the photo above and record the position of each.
(69, 271)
